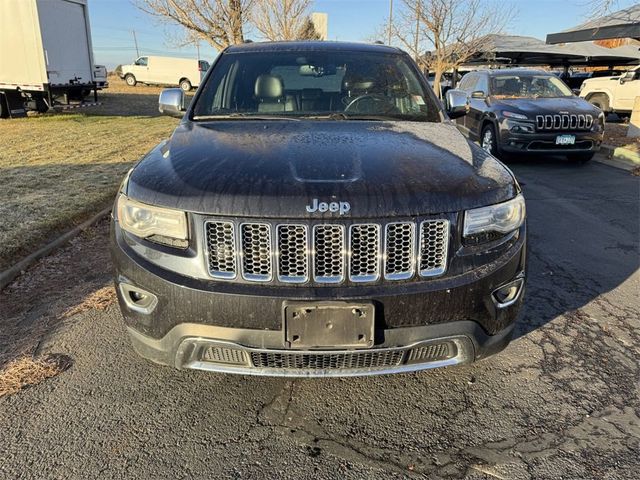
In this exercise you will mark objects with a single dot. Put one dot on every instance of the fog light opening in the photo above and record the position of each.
(508, 294)
(137, 299)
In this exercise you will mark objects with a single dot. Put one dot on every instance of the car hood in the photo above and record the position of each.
(276, 168)
(546, 106)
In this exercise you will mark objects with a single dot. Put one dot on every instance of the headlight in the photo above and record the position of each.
(502, 217)
(517, 116)
(147, 221)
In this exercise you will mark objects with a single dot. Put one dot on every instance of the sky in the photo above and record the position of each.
(112, 23)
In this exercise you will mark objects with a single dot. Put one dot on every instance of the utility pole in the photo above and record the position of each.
(390, 25)
(135, 40)
(198, 48)
(415, 40)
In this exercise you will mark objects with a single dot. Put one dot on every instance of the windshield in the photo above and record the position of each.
(337, 85)
(528, 86)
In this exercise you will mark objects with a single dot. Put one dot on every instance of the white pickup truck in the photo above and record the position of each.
(613, 94)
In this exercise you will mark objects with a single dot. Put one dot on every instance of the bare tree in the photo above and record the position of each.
(219, 22)
(450, 30)
(599, 8)
(284, 20)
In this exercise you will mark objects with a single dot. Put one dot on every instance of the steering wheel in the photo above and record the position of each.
(373, 104)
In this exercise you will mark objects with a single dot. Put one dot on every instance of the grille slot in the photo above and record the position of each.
(221, 249)
(256, 251)
(399, 261)
(327, 361)
(292, 253)
(433, 247)
(219, 354)
(328, 253)
(365, 252)
(437, 351)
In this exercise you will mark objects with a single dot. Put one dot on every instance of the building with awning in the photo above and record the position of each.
(529, 51)
(622, 24)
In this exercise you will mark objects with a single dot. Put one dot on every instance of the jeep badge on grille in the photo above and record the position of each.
(334, 207)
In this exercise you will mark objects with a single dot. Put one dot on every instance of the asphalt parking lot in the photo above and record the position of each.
(563, 401)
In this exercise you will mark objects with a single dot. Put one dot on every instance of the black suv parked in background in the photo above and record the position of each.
(517, 111)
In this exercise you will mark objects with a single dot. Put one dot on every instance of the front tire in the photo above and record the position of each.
(601, 101)
(130, 80)
(580, 157)
(4, 110)
(489, 140)
(185, 85)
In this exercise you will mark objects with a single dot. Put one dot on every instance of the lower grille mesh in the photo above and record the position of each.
(351, 360)
(323, 361)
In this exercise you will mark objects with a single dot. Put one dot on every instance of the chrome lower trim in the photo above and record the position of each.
(188, 358)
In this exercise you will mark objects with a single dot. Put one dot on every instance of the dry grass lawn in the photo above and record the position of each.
(56, 170)
(28, 371)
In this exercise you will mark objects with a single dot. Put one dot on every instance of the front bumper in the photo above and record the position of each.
(235, 328)
(255, 352)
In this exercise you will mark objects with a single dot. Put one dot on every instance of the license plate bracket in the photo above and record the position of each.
(329, 325)
(566, 140)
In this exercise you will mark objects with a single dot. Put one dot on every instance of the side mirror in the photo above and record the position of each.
(456, 103)
(478, 94)
(171, 102)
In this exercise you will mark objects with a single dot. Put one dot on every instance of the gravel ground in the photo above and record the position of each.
(562, 401)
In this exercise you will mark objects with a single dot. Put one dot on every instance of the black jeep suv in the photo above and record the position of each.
(316, 213)
(517, 111)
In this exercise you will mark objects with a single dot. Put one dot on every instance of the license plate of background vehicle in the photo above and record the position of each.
(328, 325)
(565, 140)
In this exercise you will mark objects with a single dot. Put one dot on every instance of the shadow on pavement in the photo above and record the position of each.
(584, 231)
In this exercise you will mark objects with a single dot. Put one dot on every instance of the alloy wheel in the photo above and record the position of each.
(487, 141)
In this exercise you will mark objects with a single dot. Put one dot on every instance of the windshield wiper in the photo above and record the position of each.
(243, 116)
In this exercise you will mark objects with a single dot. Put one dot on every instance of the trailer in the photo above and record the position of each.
(45, 55)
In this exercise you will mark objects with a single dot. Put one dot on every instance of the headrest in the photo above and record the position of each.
(269, 86)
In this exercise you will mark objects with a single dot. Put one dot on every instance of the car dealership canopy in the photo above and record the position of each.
(518, 50)
(621, 24)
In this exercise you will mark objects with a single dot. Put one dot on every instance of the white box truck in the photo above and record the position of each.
(45, 54)
(183, 72)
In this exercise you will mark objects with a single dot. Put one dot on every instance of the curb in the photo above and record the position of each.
(618, 157)
(7, 276)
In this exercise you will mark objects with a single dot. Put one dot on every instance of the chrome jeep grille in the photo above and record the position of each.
(564, 121)
(326, 253)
